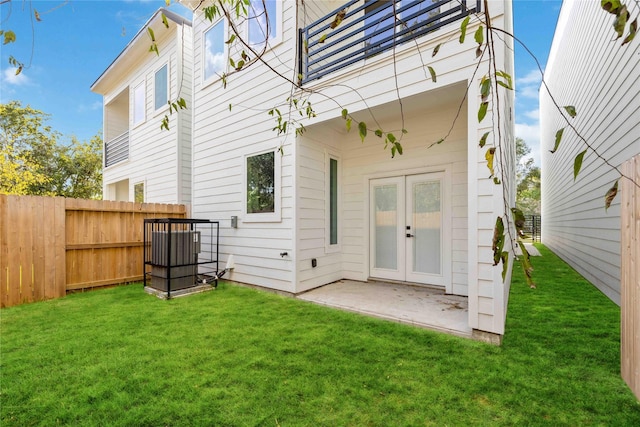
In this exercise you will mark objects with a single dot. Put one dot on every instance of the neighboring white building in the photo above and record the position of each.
(322, 206)
(141, 161)
(590, 70)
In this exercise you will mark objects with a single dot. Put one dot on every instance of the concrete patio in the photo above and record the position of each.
(421, 306)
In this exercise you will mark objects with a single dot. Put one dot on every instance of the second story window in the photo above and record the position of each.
(161, 85)
(138, 104)
(214, 51)
(265, 18)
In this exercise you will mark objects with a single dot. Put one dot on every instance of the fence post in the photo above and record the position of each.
(630, 275)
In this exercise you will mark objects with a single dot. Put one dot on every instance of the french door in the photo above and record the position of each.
(408, 220)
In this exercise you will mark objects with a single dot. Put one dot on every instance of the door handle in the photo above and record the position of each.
(409, 235)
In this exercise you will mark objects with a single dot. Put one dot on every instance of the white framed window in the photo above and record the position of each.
(264, 22)
(161, 87)
(262, 187)
(332, 202)
(139, 114)
(214, 55)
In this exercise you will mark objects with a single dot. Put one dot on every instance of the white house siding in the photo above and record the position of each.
(454, 65)
(159, 159)
(591, 71)
(223, 138)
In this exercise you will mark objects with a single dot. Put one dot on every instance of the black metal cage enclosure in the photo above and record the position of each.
(180, 253)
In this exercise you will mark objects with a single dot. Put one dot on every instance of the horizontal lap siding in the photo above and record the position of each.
(598, 77)
(222, 139)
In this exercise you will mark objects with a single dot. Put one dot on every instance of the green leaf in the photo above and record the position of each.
(611, 194)
(322, 38)
(9, 37)
(433, 74)
(338, 18)
(463, 29)
(489, 155)
(479, 35)
(611, 6)
(229, 107)
(621, 21)
(485, 87)
(362, 130)
(483, 140)
(436, 50)
(348, 124)
(571, 110)
(398, 147)
(232, 62)
(151, 34)
(577, 164)
(482, 111)
(508, 82)
(404, 131)
(344, 113)
(525, 262)
(391, 138)
(164, 21)
(633, 29)
(498, 240)
(378, 133)
(240, 65)
(558, 138)
(496, 180)
(518, 219)
(505, 263)
(231, 39)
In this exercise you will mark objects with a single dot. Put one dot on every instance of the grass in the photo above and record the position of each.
(238, 356)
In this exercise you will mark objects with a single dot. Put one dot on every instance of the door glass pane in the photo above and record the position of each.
(386, 223)
(427, 222)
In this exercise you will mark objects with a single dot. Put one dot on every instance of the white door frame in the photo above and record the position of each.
(402, 270)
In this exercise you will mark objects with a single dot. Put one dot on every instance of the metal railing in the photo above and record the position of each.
(362, 29)
(116, 150)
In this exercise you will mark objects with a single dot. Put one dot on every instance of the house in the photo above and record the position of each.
(301, 209)
(143, 163)
(591, 70)
(321, 206)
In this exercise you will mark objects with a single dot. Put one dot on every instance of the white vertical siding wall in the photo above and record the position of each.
(222, 140)
(599, 77)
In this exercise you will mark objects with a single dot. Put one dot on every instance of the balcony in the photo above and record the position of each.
(116, 150)
(362, 29)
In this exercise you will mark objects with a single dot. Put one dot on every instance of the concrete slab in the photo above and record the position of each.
(415, 305)
(533, 251)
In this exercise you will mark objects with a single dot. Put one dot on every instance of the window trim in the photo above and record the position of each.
(277, 37)
(165, 104)
(276, 215)
(206, 81)
(143, 86)
(336, 247)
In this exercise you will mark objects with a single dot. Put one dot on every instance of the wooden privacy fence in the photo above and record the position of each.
(630, 276)
(51, 245)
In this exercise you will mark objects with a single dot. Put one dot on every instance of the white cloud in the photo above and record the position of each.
(530, 133)
(92, 107)
(532, 77)
(533, 114)
(9, 77)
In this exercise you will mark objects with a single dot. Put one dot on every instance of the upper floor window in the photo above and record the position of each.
(214, 51)
(161, 87)
(139, 104)
(265, 20)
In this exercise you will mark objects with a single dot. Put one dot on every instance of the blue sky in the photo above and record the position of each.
(75, 41)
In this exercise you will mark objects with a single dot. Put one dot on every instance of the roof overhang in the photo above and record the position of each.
(137, 47)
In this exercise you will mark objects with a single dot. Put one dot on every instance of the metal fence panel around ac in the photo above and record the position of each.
(52, 245)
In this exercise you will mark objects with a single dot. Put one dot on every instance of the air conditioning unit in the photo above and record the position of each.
(174, 259)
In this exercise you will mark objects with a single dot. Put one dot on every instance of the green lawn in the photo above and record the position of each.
(237, 356)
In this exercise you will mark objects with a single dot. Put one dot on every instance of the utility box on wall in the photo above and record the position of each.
(175, 255)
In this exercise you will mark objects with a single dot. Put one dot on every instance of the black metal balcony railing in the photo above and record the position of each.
(361, 29)
(116, 150)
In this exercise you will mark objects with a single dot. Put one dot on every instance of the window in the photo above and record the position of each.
(161, 94)
(138, 104)
(333, 201)
(259, 12)
(214, 51)
(261, 183)
(138, 192)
